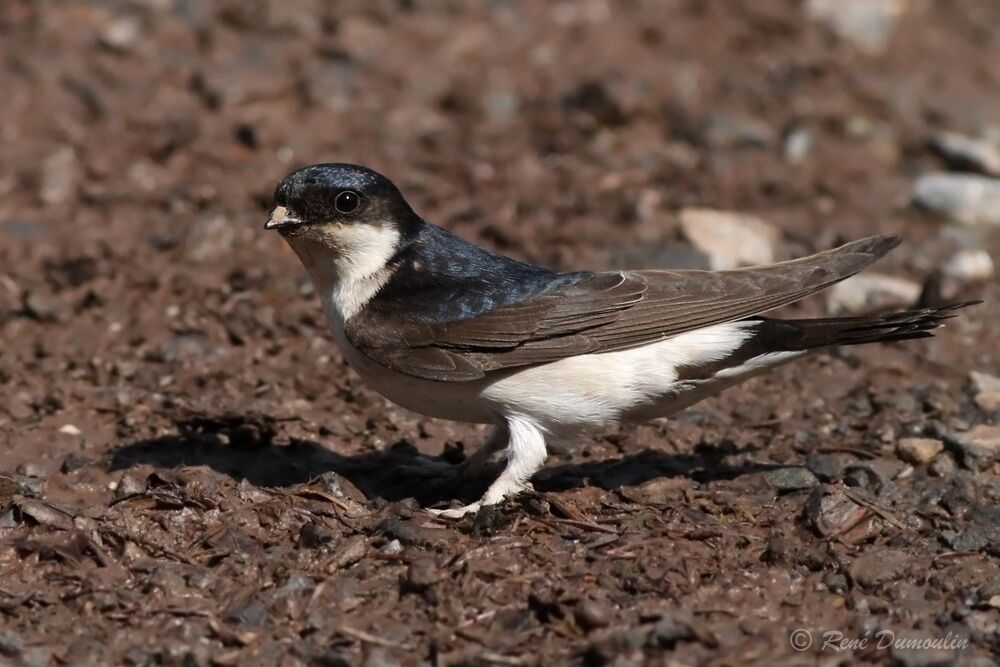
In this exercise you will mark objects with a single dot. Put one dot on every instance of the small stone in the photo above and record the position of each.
(980, 447)
(74, 462)
(121, 33)
(209, 238)
(727, 130)
(313, 536)
(943, 466)
(33, 469)
(865, 24)
(70, 429)
(972, 538)
(252, 613)
(667, 632)
(828, 467)
(970, 265)
(798, 145)
(41, 306)
(988, 401)
(877, 567)
(791, 479)
(660, 491)
(984, 382)
(393, 548)
(875, 476)
(130, 485)
(831, 512)
(593, 614)
(341, 487)
(962, 152)
(964, 198)
(422, 574)
(352, 552)
(61, 175)
(987, 391)
(730, 239)
(11, 644)
(871, 291)
(918, 451)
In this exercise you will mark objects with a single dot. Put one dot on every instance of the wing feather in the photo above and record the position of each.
(601, 312)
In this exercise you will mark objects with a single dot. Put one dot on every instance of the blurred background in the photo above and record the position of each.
(140, 142)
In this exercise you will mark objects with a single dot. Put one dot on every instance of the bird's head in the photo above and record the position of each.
(341, 216)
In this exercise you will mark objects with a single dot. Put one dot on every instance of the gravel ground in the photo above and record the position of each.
(190, 475)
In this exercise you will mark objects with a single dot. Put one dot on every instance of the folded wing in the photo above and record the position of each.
(601, 312)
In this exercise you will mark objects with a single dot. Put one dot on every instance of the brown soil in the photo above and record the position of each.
(190, 475)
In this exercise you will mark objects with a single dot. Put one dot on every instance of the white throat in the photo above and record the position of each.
(347, 263)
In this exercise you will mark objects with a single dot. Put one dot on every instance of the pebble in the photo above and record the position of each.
(667, 632)
(252, 613)
(871, 291)
(61, 176)
(876, 475)
(987, 391)
(121, 33)
(972, 538)
(593, 614)
(828, 467)
(980, 447)
(865, 24)
(831, 512)
(209, 238)
(798, 144)
(41, 306)
(737, 131)
(422, 574)
(353, 551)
(730, 239)
(11, 644)
(32, 469)
(969, 265)
(130, 485)
(943, 466)
(918, 451)
(74, 462)
(341, 487)
(313, 536)
(791, 479)
(964, 198)
(962, 152)
(877, 567)
(661, 491)
(393, 548)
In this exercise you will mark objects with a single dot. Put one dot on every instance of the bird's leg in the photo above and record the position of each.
(525, 455)
(482, 457)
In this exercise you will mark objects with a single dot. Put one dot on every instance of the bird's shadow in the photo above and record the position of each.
(243, 448)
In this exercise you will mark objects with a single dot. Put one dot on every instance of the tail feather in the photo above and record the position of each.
(789, 335)
(775, 341)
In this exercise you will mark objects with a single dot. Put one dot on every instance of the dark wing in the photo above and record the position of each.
(603, 312)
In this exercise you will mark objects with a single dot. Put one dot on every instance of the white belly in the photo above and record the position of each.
(585, 393)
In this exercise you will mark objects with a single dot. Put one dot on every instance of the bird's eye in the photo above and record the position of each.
(347, 201)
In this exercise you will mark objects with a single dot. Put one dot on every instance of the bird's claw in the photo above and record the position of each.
(456, 513)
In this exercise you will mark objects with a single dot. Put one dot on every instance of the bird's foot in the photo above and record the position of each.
(458, 512)
(486, 501)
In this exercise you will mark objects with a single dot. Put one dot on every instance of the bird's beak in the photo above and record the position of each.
(280, 219)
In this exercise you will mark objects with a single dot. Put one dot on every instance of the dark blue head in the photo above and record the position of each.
(345, 194)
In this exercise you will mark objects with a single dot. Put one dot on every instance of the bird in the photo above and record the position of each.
(451, 330)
